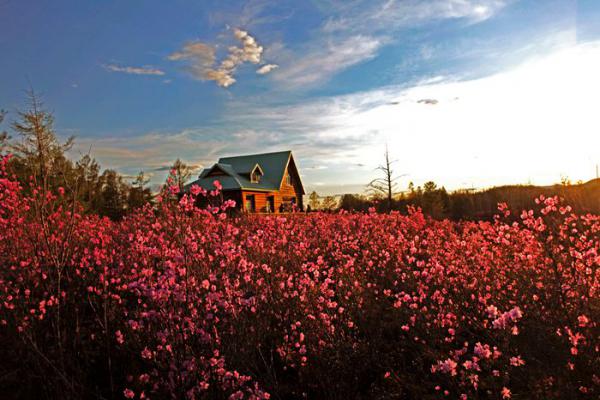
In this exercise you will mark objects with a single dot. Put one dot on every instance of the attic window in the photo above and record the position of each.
(288, 179)
(256, 174)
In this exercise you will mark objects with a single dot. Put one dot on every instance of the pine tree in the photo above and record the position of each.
(39, 150)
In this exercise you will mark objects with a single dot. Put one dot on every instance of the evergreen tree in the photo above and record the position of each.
(39, 152)
(113, 196)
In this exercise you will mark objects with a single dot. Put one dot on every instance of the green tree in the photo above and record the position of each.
(139, 193)
(3, 134)
(329, 203)
(88, 182)
(39, 152)
(113, 195)
(313, 201)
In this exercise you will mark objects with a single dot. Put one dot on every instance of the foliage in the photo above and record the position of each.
(175, 301)
(329, 203)
(313, 201)
(3, 135)
(39, 158)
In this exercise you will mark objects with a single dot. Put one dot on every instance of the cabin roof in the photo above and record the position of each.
(236, 172)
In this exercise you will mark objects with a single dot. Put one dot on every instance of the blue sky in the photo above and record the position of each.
(466, 93)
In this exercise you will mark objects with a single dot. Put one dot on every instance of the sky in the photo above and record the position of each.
(469, 94)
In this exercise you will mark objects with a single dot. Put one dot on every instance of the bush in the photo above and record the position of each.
(175, 301)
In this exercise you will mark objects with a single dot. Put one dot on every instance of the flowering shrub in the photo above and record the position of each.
(181, 302)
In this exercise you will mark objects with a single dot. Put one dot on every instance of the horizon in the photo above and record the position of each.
(466, 94)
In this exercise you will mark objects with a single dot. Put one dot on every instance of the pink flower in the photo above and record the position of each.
(482, 351)
(128, 393)
(447, 366)
(196, 190)
(505, 393)
(516, 361)
(147, 354)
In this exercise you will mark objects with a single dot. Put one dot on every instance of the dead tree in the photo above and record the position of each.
(386, 185)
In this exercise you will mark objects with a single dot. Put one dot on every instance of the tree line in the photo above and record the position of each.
(382, 195)
(477, 205)
(39, 159)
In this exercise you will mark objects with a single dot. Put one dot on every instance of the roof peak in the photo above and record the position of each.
(256, 154)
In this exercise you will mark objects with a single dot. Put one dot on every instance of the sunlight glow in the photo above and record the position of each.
(534, 123)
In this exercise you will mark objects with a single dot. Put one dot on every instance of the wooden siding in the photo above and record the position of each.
(286, 193)
(260, 200)
(293, 190)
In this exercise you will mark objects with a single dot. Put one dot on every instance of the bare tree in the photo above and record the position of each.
(385, 186)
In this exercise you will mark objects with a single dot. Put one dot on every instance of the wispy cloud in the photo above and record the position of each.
(201, 59)
(390, 15)
(327, 58)
(265, 69)
(167, 168)
(356, 32)
(134, 70)
(250, 15)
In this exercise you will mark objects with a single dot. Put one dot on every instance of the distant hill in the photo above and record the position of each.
(483, 204)
(584, 198)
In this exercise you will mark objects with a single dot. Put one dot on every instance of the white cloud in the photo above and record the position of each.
(533, 122)
(265, 69)
(201, 58)
(134, 70)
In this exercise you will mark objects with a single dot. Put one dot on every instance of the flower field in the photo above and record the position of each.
(177, 302)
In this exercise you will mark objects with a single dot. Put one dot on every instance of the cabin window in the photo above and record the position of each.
(250, 203)
(256, 174)
(288, 179)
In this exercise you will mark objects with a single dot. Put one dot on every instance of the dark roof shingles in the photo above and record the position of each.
(272, 164)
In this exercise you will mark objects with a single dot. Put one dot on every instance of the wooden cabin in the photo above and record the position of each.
(264, 183)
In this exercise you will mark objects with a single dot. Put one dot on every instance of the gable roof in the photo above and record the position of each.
(237, 172)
